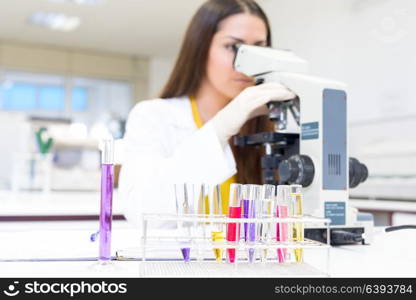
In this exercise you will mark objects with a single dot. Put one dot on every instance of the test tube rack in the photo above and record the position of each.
(204, 265)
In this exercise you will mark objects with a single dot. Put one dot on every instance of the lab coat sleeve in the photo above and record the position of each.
(150, 170)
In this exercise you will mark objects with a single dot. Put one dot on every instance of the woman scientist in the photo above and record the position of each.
(184, 136)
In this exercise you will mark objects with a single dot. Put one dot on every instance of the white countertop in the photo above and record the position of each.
(67, 252)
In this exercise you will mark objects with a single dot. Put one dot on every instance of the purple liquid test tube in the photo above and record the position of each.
(107, 179)
(245, 205)
(186, 253)
(253, 194)
(251, 230)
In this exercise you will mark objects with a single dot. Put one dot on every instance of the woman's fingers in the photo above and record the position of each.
(280, 94)
(275, 91)
(249, 103)
(259, 111)
(269, 85)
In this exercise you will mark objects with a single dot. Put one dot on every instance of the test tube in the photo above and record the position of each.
(244, 213)
(215, 210)
(199, 198)
(183, 209)
(267, 197)
(281, 205)
(245, 206)
(253, 205)
(107, 179)
(297, 211)
(233, 229)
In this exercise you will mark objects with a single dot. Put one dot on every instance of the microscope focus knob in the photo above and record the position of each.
(297, 169)
(358, 172)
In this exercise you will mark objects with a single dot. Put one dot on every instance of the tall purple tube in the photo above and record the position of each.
(253, 206)
(245, 204)
(107, 180)
(249, 212)
(251, 236)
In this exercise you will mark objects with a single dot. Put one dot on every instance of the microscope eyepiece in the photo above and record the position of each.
(235, 47)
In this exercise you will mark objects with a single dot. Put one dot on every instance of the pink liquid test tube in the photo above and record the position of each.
(281, 232)
(233, 229)
(282, 211)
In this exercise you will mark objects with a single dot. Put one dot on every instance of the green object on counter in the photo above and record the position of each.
(44, 145)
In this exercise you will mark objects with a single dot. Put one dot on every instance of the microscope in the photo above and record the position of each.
(316, 156)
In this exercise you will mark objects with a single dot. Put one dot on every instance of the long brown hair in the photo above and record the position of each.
(190, 69)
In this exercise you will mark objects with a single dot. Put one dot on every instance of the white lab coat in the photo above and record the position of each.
(163, 146)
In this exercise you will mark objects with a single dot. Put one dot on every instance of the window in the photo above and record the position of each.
(51, 98)
(79, 99)
(29, 96)
(19, 96)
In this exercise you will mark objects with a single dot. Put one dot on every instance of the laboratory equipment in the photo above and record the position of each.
(244, 213)
(282, 211)
(183, 208)
(317, 157)
(233, 229)
(191, 200)
(267, 197)
(296, 210)
(107, 181)
(253, 206)
(159, 253)
(200, 204)
(215, 210)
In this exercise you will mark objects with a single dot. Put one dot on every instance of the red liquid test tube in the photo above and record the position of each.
(233, 229)
(233, 232)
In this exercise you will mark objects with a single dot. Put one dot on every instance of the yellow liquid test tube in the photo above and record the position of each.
(214, 208)
(218, 236)
(298, 227)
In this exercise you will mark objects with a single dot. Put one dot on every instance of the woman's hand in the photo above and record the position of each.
(248, 104)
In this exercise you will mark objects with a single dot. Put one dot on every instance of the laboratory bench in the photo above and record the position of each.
(64, 249)
(52, 239)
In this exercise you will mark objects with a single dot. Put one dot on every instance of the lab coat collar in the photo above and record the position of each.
(182, 112)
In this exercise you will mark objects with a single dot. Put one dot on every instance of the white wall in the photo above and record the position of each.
(368, 44)
(159, 71)
(13, 141)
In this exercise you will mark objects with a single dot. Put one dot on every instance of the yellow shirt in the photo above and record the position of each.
(225, 186)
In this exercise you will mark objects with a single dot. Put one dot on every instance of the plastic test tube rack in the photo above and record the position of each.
(204, 243)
